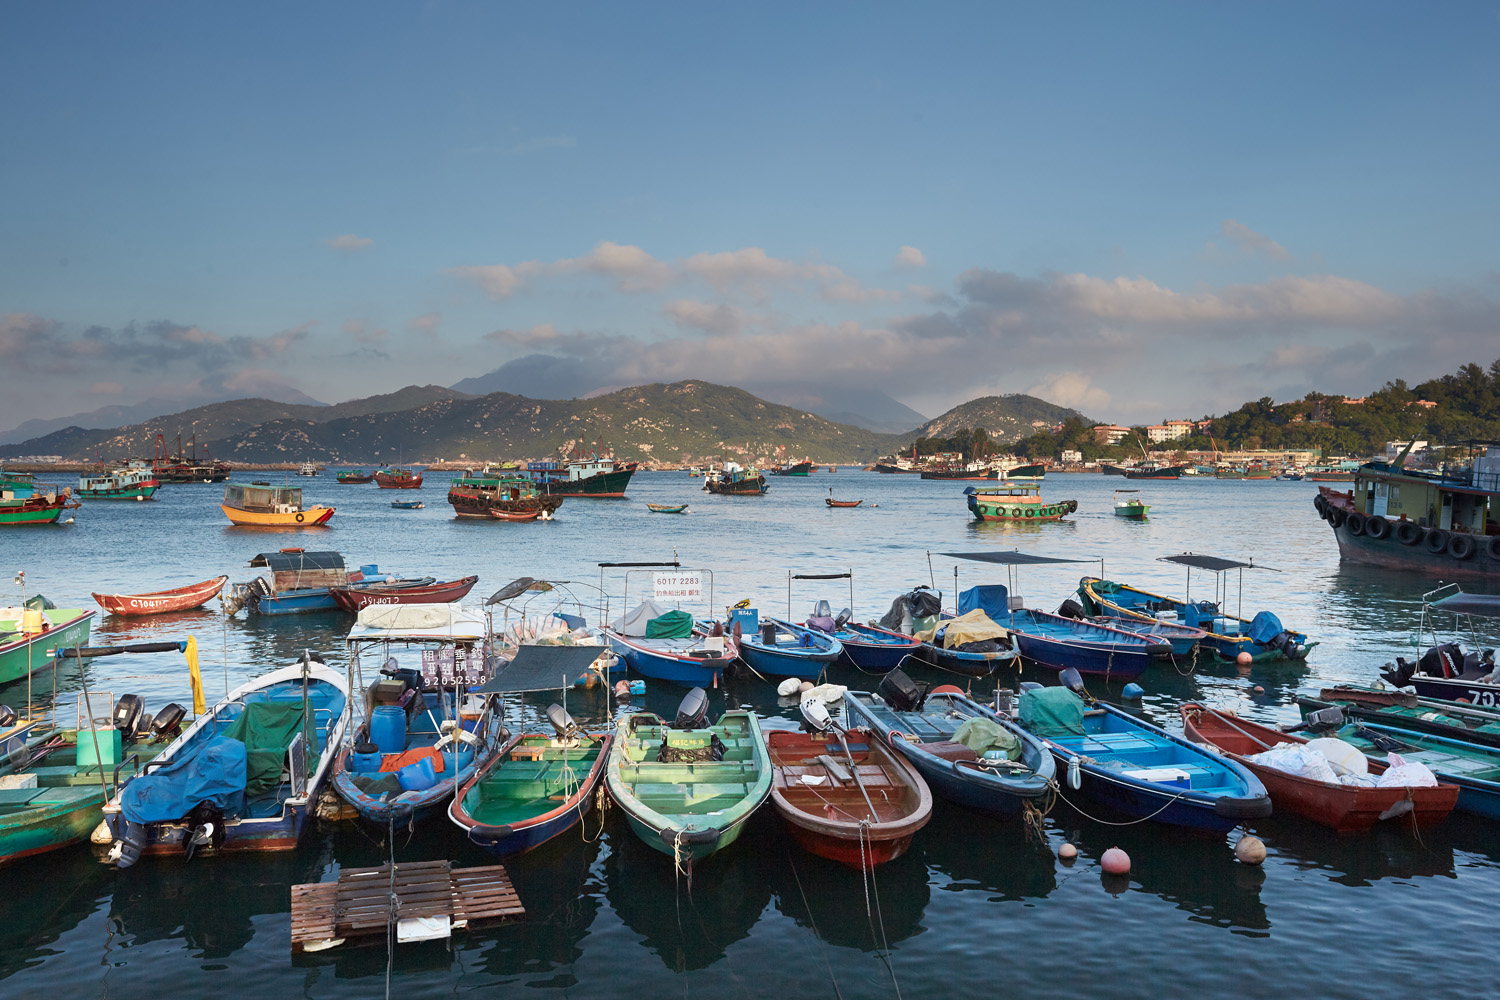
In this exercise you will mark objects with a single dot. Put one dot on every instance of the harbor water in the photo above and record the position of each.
(975, 908)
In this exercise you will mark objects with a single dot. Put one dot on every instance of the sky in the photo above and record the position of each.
(1145, 211)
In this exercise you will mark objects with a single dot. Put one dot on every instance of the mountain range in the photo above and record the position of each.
(1007, 418)
(692, 421)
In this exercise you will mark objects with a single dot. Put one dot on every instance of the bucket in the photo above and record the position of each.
(32, 621)
(417, 777)
(768, 633)
(106, 752)
(364, 763)
(388, 728)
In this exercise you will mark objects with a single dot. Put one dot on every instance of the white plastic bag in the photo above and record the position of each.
(1405, 773)
(1296, 758)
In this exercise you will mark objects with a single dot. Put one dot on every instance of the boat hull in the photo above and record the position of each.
(468, 501)
(969, 664)
(876, 657)
(310, 518)
(518, 837)
(163, 601)
(1060, 654)
(599, 486)
(138, 491)
(34, 653)
(353, 599)
(791, 660)
(36, 509)
(664, 666)
(1482, 564)
(403, 480)
(57, 818)
(986, 507)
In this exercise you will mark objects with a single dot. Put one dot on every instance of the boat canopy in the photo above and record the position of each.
(636, 623)
(236, 495)
(542, 668)
(516, 588)
(452, 623)
(1011, 558)
(1483, 605)
(1211, 563)
(297, 560)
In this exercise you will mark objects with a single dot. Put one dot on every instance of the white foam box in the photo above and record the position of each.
(1161, 775)
(17, 781)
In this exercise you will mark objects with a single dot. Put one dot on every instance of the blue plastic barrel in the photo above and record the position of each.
(388, 728)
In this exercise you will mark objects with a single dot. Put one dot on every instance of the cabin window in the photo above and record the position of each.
(1395, 494)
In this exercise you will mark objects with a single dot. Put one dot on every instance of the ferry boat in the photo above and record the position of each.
(1444, 523)
(308, 469)
(271, 507)
(134, 481)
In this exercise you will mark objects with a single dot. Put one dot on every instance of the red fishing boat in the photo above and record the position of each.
(828, 804)
(355, 598)
(1345, 808)
(398, 479)
(194, 595)
(830, 501)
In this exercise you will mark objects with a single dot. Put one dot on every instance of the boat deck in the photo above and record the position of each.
(1134, 751)
(521, 788)
(696, 788)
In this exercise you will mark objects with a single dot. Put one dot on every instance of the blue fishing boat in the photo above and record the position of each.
(781, 648)
(1181, 638)
(683, 652)
(967, 662)
(244, 776)
(922, 726)
(1058, 643)
(1117, 760)
(298, 581)
(1228, 635)
(871, 648)
(414, 745)
(408, 505)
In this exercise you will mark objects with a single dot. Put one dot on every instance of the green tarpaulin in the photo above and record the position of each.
(1052, 712)
(980, 734)
(266, 728)
(672, 625)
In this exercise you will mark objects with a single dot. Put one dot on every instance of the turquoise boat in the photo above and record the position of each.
(29, 648)
(686, 787)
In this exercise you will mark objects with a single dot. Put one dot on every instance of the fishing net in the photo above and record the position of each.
(667, 754)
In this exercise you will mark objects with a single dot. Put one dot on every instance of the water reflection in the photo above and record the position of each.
(29, 924)
(978, 853)
(688, 927)
(1390, 850)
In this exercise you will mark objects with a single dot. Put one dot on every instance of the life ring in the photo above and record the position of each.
(299, 517)
(1355, 522)
(1461, 547)
(1408, 533)
(1377, 527)
(1492, 547)
(1436, 541)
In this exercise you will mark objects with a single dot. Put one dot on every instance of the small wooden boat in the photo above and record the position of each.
(516, 515)
(1345, 808)
(538, 786)
(245, 776)
(1130, 507)
(921, 726)
(1408, 711)
(687, 788)
(1058, 642)
(1475, 769)
(830, 501)
(398, 479)
(355, 476)
(845, 796)
(1145, 772)
(408, 504)
(271, 507)
(667, 508)
(355, 597)
(783, 649)
(194, 595)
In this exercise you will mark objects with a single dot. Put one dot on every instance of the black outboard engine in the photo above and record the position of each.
(168, 720)
(1289, 646)
(562, 722)
(842, 618)
(901, 692)
(205, 828)
(1327, 719)
(1071, 609)
(132, 842)
(692, 713)
(7, 715)
(128, 713)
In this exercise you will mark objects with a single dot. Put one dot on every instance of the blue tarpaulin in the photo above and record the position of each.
(991, 598)
(1264, 627)
(214, 774)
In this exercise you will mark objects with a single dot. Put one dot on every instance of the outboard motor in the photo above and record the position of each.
(692, 713)
(128, 848)
(205, 828)
(128, 713)
(7, 715)
(1289, 646)
(168, 720)
(562, 723)
(842, 618)
(1326, 719)
(822, 610)
(1071, 609)
(901, 692)
(1073, 681)
(816, 715)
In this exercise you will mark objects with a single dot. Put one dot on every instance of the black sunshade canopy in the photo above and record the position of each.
(516, 588)
(1484, 605)
(1011, 558)
(542, 668)
(1211, 563)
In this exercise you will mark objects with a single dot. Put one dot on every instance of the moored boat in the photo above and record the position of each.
(133, 481)
(518, 515)
(1058, 642)
(1155, 472)
(1130, 506)
(1021, 502)
(193, 595)
(593, 477)
(408, 505)
(733, 480)
(778, 648)
(798, 469)
(354, 598)
(297, 580)
(686, 787)
(395, 478)
(355, 476)
(35, 503)
(1434, 716)
(693, 656)
(830, 501)
(1345, 808)
(308, 469)
(478, 495)
(271, 507)
(667, 508)
(30, 635)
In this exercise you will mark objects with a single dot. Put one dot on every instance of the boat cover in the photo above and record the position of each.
(418, 623)
(975, 626)
(980, 734)
(266, 728)
(635, 623)
(215, 774)
(1052, 711)
(1485, 605)
(672, 625)
(1264, 627)
(991, 598)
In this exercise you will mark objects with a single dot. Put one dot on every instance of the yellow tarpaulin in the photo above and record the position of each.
(194, 677)
(975, 626)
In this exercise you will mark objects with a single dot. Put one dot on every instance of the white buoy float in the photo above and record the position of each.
(1250, 850)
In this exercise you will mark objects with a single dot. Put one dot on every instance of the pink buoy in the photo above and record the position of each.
(1115, 862)
(1258, 689)
(622, 689)
(1243, 659)
(1067, 852)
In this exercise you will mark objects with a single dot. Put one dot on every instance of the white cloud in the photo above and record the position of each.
(721, 319)
(1071, 389)
(1246, 238)
(910, 257)
(349, 243)
(427, 323)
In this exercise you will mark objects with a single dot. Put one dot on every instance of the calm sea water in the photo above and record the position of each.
(975, 906)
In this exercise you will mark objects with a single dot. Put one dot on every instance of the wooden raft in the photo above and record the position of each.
(357, 908)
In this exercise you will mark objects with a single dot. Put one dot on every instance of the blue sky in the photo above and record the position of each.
(1141, 210)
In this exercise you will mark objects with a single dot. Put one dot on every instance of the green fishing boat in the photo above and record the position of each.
(687, 788)
(1437, 717)
(33, 503)
(29, 635)
(1473, 768)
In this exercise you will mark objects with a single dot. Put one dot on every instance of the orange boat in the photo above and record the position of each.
(271, 507)
(194, 595)
(398, 479)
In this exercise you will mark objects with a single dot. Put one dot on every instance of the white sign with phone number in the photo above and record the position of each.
(678, 587)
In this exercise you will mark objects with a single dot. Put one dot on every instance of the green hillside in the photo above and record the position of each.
(1007, 418)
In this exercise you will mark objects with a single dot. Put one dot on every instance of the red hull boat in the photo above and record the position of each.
(1345, 808)
(826, 810)
(515, 515)
(355, 598)
(398, 479)
(194, 595)
(842, 503)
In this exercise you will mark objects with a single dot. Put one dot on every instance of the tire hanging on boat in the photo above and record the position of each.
(1492, 547)
(299, 517)
(1355, 522)
(1377, 527)
(1461, 547)
(1408, 533)
(1437, 541)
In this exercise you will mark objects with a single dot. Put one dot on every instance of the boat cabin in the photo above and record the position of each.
(264, 499)
(296, 569)
(1461, 500)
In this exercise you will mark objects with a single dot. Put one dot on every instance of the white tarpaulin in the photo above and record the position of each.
(635, 622)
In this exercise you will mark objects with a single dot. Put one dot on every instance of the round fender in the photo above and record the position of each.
(1336, 516)
(1355, 522)
(1407, 533)
(1377, 527)
(1461, 547)
(1320, 503)
(1436, 541)
(299, 517)
(1492, 547)
(1230, 807)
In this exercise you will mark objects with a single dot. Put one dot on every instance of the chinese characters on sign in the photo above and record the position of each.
(456, 665)
(678, 586)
